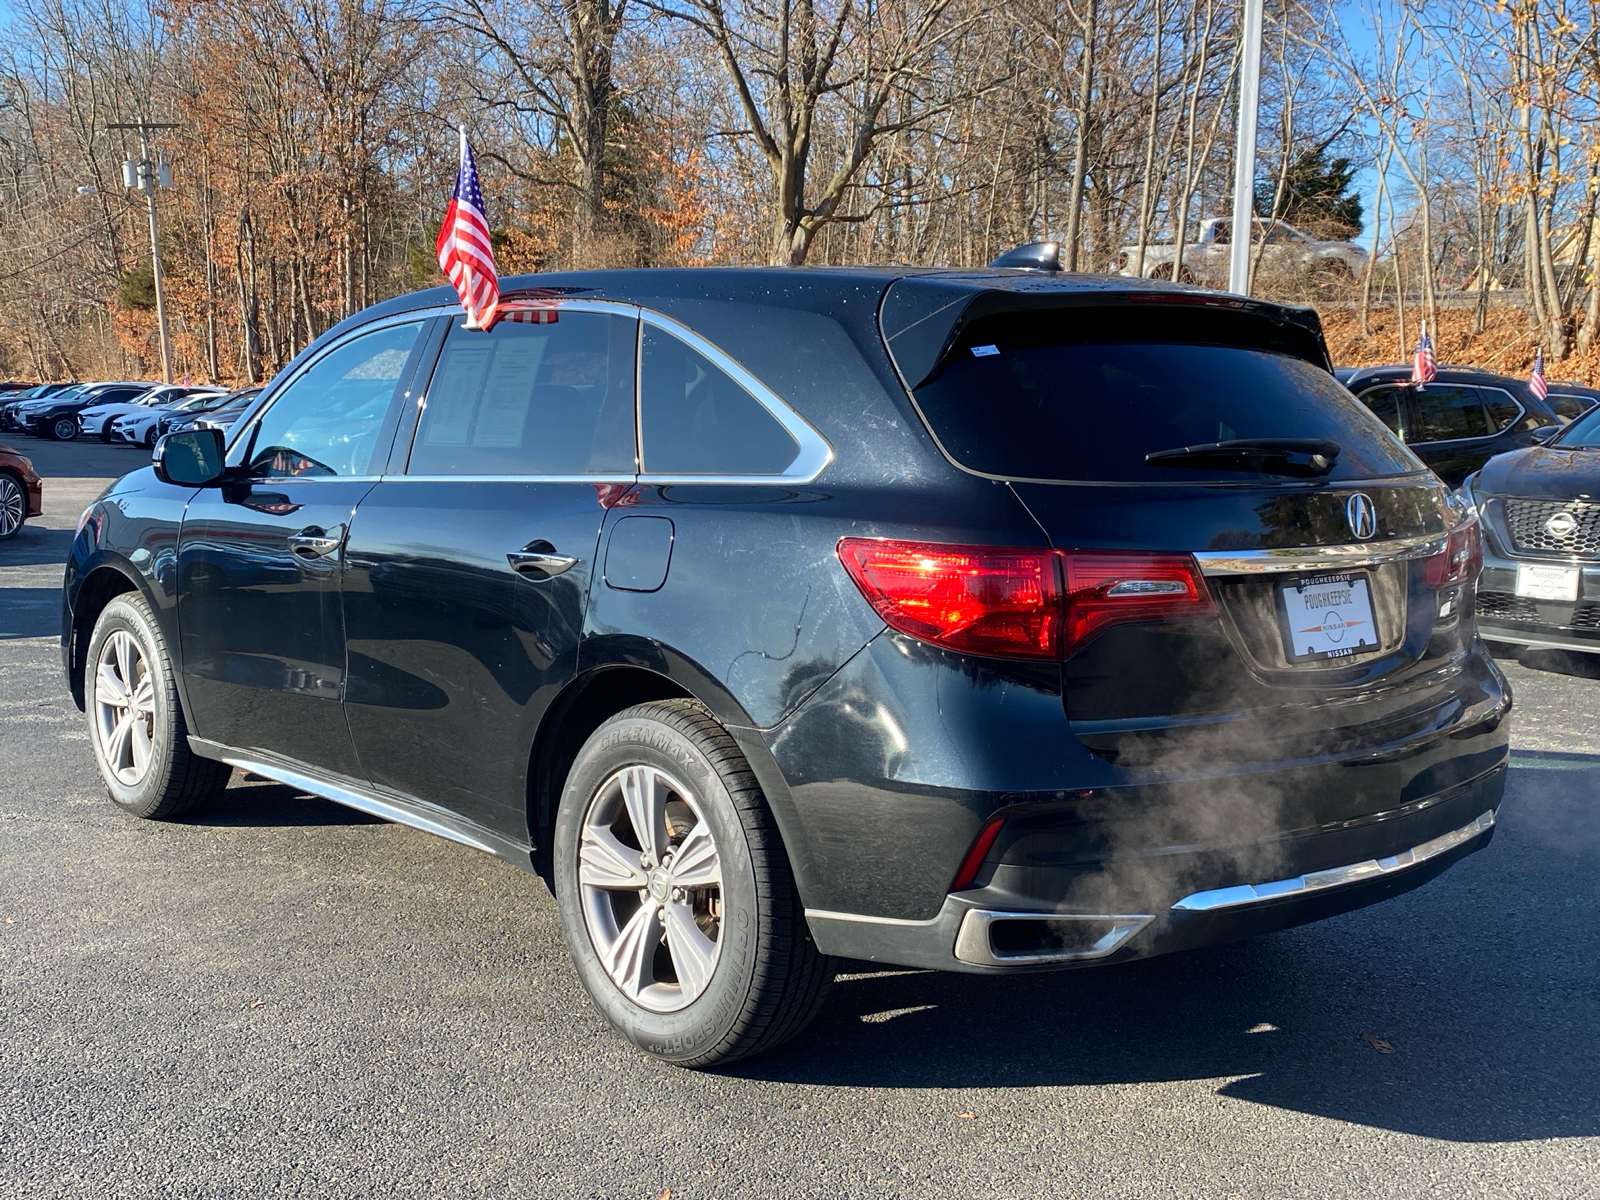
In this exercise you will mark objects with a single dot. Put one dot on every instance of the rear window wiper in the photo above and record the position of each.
(1275, 456)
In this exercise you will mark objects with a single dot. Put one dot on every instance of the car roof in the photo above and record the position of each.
(1400, 372)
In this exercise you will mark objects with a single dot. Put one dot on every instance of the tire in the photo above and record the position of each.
(13, 506)
(64, 429)
(150, 438)
(127, 645)
(105, 430)
(761, 978)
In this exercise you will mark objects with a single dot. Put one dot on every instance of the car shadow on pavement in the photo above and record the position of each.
(1562, 662)
(29, 612)
(253, 802)
(36, 546)
(1464, 1011)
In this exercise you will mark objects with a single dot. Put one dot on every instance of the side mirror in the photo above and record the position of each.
(192, 458)
(1545, 432)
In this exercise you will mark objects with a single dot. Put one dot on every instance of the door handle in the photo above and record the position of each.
(314, 542)
(540, 563)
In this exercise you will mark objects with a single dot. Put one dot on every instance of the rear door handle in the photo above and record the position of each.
(536, 563)
(314, 542)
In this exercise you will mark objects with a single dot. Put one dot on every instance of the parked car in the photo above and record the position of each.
(10, 405)
(56, 416)
(1283, 250)
(973, 620)
(220, 415)
(1459, 421)
(139, 426)
(21, 492)
(1540, 512)
(96, 420)
(1567, 398)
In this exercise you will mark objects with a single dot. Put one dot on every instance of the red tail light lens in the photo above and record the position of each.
(1462, 557)
(1012, 603)
(1118, 588)
(973, 862)
(979, 599)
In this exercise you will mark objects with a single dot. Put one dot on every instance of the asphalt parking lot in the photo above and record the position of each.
(279, 996)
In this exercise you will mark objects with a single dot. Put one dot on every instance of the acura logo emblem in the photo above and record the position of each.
(1561, 525)
(1362, 515)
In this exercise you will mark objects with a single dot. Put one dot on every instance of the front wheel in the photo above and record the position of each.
(150, 438)
(13, 506)
(64, 429)
(136, 725)
(675, 892)
(105, 430)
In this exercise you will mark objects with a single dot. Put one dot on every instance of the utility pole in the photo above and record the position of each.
(1244, 155)
(147, 175)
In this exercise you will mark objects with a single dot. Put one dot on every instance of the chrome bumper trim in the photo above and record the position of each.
(1318, 558)
(1373, 868)
(974, 945)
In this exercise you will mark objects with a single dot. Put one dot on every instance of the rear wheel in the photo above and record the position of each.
(64, 429)
(675, 892)
(13, 505)
(136, 726)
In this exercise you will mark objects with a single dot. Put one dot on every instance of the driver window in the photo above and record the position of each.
(326, 422)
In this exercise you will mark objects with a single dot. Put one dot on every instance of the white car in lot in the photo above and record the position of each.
(138, 427)
(96, 420)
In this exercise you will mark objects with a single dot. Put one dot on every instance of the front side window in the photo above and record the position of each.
(1448, 412)
(531, 400)
(326, 422)
(695, 419)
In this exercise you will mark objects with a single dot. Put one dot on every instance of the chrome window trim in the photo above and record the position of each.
(815, 452)
(233, 456)
(1373, 868)
(1318, 558)
(397, 478)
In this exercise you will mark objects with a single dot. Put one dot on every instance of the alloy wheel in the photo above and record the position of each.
(13, 506)
(124, 707)
(66, 429)
(651, 885)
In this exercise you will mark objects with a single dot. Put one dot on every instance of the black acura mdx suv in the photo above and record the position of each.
(977, 620)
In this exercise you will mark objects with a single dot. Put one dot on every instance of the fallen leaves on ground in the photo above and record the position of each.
(968, 1116)
(664, 1194)
(257, 1003)
(1377, 1043)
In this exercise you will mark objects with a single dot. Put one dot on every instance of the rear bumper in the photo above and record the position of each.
(977, 931)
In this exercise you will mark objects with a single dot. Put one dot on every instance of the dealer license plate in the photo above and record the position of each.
(1539, 582)
(1329, 616)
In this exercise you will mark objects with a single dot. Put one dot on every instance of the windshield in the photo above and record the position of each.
(1582, 434)
(1070, 396)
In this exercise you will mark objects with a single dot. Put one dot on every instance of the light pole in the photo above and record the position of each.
(147, 175)
(1244, 155)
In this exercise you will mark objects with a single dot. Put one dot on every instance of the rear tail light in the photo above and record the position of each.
(1017, 603)
(1462, 557)
(978, 599)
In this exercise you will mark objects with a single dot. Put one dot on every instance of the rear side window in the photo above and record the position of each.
(1447, 412)
(695, 419)
(1086, 394)
(1565, 407)
(531, 400)
(1386, 404)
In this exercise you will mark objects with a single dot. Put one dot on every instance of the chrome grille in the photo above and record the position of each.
(1526, 521)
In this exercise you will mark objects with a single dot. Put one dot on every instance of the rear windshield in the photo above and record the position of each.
(1070, 396)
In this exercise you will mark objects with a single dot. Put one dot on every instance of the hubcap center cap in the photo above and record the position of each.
(659, 886)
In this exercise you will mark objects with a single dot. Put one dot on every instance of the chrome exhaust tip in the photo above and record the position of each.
(1013, 939)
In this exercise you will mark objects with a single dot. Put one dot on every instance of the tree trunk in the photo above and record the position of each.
(1080, 158)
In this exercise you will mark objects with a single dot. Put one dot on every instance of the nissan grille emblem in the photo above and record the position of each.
(1362, 515)
(1561, 526)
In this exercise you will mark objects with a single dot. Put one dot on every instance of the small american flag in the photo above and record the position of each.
(465, 254)
(1536, 383)
(1423, 366)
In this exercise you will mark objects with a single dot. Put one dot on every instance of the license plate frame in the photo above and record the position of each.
(1554, 582)
(1346, 598)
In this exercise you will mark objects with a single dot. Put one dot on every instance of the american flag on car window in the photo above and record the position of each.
(1423, 366)
(465, 254)
(1536, 383)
